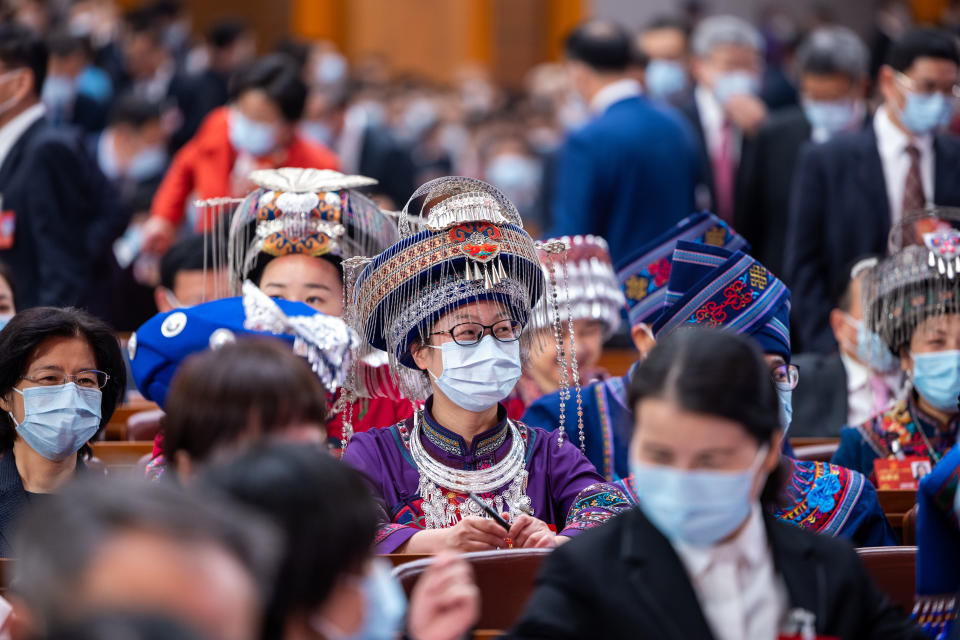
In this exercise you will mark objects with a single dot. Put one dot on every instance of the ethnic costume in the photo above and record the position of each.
(607, 418)
(938, 547)
(713, 287)
(321, 214)
(592, 293)
(473, 249)
(917, 283)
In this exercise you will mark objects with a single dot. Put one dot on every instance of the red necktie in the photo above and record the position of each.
(723, 175)
(913, 198)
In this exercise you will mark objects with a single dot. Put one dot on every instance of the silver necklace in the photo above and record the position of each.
(437, 480)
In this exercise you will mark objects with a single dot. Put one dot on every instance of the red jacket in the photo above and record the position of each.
(202, 167)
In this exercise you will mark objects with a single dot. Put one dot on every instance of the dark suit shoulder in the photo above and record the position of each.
(845, 143)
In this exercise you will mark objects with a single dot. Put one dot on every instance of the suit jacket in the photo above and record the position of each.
(624, 580)
(706, 193)
(767, 177)
(838, 213)
(67, 217)
(820, 399)
(627, 175)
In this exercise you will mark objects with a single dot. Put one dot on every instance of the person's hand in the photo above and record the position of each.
(158, 234)
(747, 112)
(445, 604)
(474, 533)
(528, 532)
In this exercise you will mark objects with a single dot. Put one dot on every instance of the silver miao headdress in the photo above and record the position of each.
(294, 211)
(919, 280)
(466, 245)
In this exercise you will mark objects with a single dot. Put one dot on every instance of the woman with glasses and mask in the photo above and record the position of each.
(702, 557)
(912, 300)
(450, 305)
(715, 287)
(61, 377)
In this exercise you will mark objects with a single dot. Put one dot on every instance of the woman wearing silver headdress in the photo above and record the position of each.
(912, 300)
(450, 305)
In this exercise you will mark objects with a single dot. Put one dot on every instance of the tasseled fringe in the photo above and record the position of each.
(936, 615)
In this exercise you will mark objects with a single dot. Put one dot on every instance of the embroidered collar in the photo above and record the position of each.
(931, 425)
(452, 443)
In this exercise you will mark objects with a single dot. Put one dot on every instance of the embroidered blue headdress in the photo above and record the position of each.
(644, 275)
(714, 287)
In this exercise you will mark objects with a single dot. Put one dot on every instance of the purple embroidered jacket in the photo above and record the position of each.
(565, 489)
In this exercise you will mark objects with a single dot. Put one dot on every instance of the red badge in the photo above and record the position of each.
(905, 474)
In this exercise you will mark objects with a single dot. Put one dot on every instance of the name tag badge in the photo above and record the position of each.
(8, 228)
(905, 474)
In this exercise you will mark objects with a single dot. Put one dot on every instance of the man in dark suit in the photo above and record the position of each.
(853, 384)
(832, 64)
(724, 110)
(58, 217)
(629, 173)
(848, 191)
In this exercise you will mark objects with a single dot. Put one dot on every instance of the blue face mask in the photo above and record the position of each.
(58, 93)
(872, 350)
(477, 377)
(786, 408)
(665, 78)
(925, 112)
(384, 608)
(5, 319)
(936, 377)
(248, 135)
(699, 508)
(831, 117)
(147, 163)
(735, 83)
(58, 420)
(317, 131)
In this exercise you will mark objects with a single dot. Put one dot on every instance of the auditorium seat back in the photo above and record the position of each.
(894, 571)
(505, 579)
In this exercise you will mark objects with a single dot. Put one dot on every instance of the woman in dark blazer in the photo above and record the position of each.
(700, 558)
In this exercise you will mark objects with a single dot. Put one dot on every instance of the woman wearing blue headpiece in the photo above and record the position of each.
(713, 287)
(912, 300)
(700, 558)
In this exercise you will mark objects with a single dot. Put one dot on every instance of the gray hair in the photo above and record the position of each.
(57, 538)
(834, 50)
(717, 31)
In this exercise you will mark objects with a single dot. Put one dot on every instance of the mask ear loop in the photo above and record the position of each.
(573, 353)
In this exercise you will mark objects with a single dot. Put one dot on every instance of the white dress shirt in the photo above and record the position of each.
(892, 144)
(12, 131)
(612, 94)
(711, 120)
(740, 593)
(861, 405)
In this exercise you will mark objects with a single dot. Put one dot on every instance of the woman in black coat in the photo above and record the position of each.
(700, 558)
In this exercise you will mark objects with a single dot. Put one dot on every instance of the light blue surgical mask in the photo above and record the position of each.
(383, 612)
(5, 319)
(786, 408)
(477, 377)
(57, 95)
(735, 83)
(925, 112)
(317, 131)
(873, 351)
(665, 78)
(58, 420)
(832, 116)
(699, 508)
(518, 176)
(936, 377)
(256, 138)
(147, 163)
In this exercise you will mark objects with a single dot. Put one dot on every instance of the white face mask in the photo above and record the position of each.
(477, 377)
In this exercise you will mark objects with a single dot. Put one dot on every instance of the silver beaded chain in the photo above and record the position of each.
(557, 326)
(573, 355)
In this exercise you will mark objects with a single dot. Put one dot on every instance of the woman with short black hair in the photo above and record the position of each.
(700, 557)
(61, 377)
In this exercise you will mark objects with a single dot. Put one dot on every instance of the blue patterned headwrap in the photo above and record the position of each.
(714, 287)
(644, 275)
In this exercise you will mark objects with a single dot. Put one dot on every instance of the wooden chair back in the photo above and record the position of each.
(894, 571)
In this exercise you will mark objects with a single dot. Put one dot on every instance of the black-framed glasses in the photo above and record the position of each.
(467, 334)
(785, 377)
(89, 379)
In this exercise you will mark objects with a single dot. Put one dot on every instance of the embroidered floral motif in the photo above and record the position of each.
(636, 287)
(660, 271)
(715, 236)
(823, 495)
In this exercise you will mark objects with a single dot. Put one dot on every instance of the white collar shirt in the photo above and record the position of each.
(712, 119)
(892, 145)
(613, 93)
(13, 130)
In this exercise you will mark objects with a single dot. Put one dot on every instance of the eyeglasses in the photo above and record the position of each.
(89, 379)
(953, 92)
(785, 377)
(468, 334)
